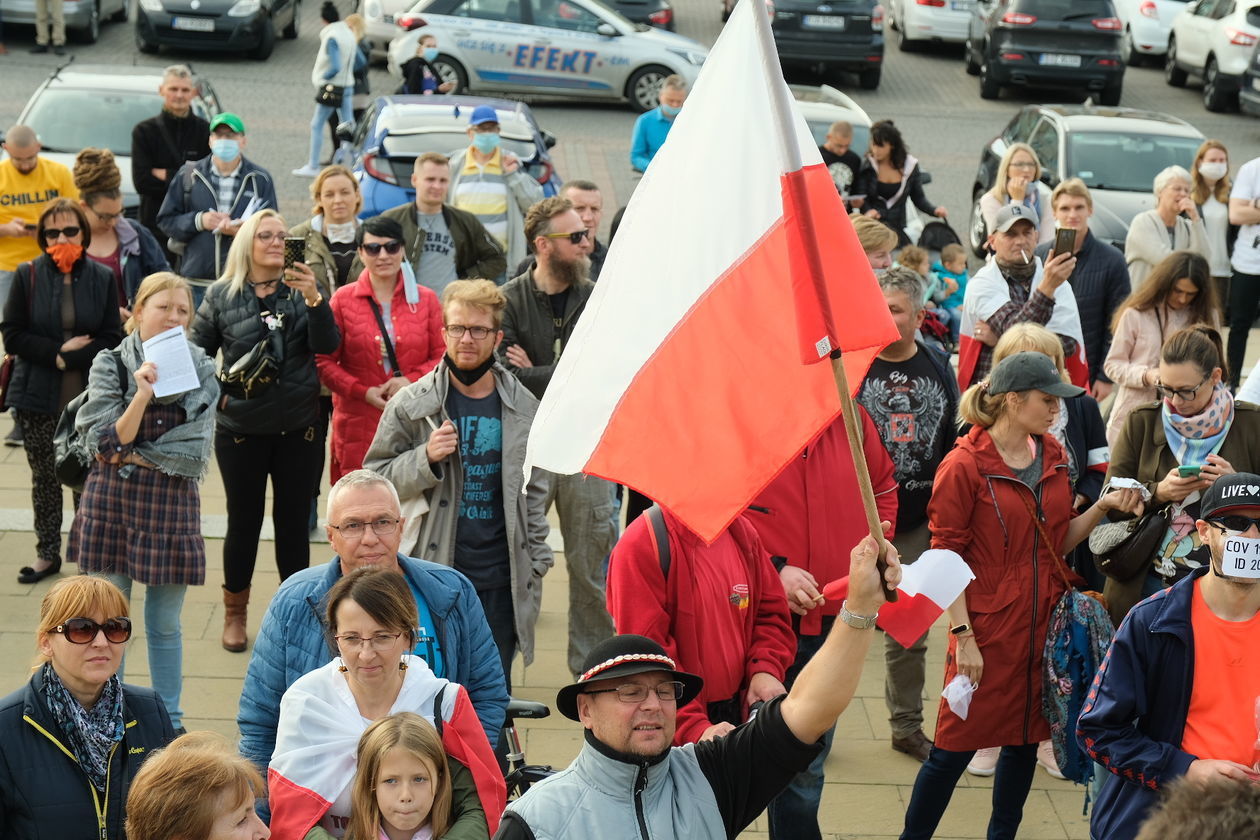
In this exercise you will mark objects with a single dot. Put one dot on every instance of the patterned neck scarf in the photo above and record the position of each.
(1192, 439)
(91, 734)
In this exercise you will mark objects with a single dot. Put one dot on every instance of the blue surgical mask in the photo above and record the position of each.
(226, 150)
(669, 110)
(430, 53)
(486, 142)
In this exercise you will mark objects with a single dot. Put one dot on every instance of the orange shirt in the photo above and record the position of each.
(1222, 719)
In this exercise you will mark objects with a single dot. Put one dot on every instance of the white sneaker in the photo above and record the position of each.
(984, 762)
(307, 171)
(1045, 757)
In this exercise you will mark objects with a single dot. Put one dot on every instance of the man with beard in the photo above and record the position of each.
(627, 698)
(1015, 287)
(457, 437)
(543, 307)
(162, 144)
(1176, 695)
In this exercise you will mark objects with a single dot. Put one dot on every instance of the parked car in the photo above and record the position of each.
(381, 18)
(919, 21)
(573, 48)
(1146, 26)
(831, 35)
(1117, 152)
(1249, 93)
(97, 105)
(248, 26)
(1213, 39)
(823, 105)
(83, 17)
(1052, 43)
(396, 130)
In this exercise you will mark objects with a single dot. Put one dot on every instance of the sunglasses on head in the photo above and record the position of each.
(575, 237)
(54, 233)
(81, 631)
(373, 249)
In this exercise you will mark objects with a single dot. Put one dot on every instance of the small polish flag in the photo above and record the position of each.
(928, 586)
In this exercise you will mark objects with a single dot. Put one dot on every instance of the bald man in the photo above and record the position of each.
(27, 183)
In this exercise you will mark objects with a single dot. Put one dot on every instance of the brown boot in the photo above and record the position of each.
(234, 609)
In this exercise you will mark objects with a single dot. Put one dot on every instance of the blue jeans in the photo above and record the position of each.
(939, 776)
(794, 812)
(162, 606)
(955, 321)
(322, 112)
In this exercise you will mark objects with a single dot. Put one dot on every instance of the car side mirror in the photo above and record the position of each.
(345, 131)
(549, 139)
(607, 30)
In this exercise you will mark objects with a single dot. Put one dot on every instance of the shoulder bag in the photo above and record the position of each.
(253, 374)
(1124, 550)
(10, 359)
(329, 95)
(69, 468)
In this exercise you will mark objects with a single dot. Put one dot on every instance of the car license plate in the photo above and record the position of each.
(823, 22)
(193, 24)
(962, 5)
(1060, 60)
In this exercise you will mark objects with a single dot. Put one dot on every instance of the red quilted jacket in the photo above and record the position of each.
(360, 362)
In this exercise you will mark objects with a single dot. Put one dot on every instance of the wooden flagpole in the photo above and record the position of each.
(863, 472)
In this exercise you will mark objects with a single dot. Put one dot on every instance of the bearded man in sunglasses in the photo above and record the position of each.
(1176, 695)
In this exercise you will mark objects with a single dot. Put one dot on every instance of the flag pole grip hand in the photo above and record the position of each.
(849, 411)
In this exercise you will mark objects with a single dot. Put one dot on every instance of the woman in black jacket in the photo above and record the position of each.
(62, 310)
(72, 739)
(258, 306)
(890, 178)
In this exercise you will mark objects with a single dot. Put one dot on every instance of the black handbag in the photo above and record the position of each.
(1124, 550)
(69, 469)
(329, 95)
(253, 374)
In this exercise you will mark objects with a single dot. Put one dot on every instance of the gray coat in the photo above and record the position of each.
(398, 453)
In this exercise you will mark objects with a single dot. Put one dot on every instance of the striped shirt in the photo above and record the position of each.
(226, 187)
(482, 191)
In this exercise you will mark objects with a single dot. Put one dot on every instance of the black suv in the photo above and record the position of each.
(837, 35)
(1055, 43)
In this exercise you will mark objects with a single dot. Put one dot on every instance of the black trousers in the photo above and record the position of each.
(292, 461)
(501, 616)
(1244, 296)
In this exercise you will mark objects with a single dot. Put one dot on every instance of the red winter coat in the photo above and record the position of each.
(813, 510)
(360, 362)
(722, 614)
(978, 510)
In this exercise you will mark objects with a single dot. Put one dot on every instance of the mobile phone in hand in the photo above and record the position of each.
(1189, 470)
(294, 250)
(1064, 241)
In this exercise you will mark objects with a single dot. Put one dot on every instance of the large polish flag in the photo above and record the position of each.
(691, 375)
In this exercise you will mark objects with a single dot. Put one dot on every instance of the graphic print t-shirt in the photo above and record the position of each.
(437, 253)
(481, 550)
(907, 401)
(843, 168)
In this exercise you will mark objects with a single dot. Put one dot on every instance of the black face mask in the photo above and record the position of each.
(469, 377)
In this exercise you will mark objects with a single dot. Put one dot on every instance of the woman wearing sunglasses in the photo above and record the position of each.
(62, 310)
(72, 739)
(1177, 447)
(392, 336)
(261, 310)
(140, 515)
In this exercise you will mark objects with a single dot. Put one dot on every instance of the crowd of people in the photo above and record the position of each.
(1091, 387)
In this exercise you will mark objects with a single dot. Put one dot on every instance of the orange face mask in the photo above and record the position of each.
(65, 255)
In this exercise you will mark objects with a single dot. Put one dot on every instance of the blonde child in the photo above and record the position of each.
(953, 266)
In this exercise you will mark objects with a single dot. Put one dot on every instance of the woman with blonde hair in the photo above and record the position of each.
(1209, 177)
(269, 321)
(329, 234)
(197, 788)
(1019, 182)
(1003, 501)
(139, 518)
(73, 738)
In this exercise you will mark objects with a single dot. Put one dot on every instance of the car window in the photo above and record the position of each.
(69, 120)
(1205, 8)
(506, 10)
(1045, 142)
(1020, 127)
(1224, 8)
(1253, 16)
(445, 142)
(561, 14)
(1114, 161)
(1064, 9)
(361, 131)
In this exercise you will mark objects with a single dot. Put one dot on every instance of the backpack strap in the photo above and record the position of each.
(122, 370)
(660, 537)
(438, 722)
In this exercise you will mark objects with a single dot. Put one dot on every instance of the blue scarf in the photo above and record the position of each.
(91, 733)
(1192, 439)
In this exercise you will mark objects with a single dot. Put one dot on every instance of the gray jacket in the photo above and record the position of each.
(398, 453)
(523, 192)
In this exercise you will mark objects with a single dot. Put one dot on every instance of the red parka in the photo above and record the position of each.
(811, 513)
(722, 613)
(360, 362)
(978, 510)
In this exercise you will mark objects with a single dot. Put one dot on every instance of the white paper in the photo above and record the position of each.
(1240, 557)
(251, 208)
(175, 369)
(1128, 484)
(958, 695)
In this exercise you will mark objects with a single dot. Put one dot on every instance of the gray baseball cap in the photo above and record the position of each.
(1012, 213)
(1028, 371)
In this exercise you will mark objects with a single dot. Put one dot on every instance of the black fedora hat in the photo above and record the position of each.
(623, 656)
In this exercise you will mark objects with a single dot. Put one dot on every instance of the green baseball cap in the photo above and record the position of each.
(230, 120)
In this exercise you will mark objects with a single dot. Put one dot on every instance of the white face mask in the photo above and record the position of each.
(1213, 171)
(1240, 557)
